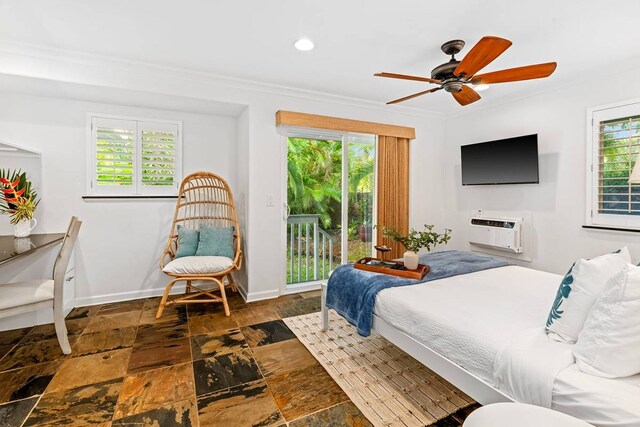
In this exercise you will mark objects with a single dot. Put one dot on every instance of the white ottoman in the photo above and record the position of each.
(521, 415)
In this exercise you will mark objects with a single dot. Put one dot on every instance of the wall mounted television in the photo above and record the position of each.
(504, 161)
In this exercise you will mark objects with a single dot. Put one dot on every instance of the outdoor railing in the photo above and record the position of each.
(309, 249)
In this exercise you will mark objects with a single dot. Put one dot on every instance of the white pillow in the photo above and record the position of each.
(578, 292)
(609, 344)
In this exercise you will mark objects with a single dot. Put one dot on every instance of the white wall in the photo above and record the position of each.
(120, 241)
(258, 140)
(557, 204)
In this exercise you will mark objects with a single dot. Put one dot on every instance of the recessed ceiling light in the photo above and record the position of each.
(480, 88)
(304, 44)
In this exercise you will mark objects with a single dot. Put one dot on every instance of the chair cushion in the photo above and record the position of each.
(198, 265)
(216, 241)
(28, 292)
(187, 241)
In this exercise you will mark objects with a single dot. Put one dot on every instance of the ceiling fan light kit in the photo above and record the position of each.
(457, 77)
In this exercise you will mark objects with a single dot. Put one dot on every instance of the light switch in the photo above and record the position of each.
(270, 200)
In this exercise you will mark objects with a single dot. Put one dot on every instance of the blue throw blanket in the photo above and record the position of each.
(352, 292)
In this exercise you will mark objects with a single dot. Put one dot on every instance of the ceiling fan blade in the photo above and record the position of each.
(481, 55)
(405, 77)
(466, 96)
(415, 95)
(528, 72)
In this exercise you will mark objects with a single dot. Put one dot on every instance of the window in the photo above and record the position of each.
(134, 157)
(615, 145)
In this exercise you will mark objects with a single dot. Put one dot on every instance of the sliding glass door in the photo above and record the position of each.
(330, 203)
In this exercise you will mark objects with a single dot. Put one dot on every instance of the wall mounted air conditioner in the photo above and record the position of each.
(497, 233)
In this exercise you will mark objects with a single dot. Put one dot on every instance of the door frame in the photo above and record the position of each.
(285, 133)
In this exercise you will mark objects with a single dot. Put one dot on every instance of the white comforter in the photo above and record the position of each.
(489, 323)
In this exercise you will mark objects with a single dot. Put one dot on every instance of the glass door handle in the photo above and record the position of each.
(286, 211)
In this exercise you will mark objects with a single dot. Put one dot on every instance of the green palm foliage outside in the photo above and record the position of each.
(619, 146)
(314, 181)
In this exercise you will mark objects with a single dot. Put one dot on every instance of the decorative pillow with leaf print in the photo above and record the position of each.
(579, 290)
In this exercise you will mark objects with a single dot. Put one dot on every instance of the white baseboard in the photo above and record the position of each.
(258, 296)
(126, 296)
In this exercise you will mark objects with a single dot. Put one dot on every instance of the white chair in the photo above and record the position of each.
(33, 295)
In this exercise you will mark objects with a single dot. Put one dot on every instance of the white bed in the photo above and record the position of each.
(457, 326)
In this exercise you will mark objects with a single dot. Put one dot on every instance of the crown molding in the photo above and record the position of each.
(56, 56)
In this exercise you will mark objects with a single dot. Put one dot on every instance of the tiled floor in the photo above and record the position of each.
(194, 366)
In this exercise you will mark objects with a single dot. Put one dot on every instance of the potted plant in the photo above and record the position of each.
(417, 240)
(18, 200)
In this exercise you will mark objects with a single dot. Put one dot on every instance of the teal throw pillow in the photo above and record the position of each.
(216, 241)
(187, 241)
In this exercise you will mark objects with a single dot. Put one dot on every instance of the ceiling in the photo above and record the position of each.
(252, 39)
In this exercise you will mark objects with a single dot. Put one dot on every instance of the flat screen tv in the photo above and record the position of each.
(504, 161)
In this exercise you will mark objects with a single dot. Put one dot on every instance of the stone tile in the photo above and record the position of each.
(345, 414)
(304, 391)
(458, 418)
(98, 342)
(282, 357)
(202, 309)
(121, 307)
(210, 323)
(217, 343)
(9, 339)
(91, 404)
(94, 368)
(267, 333)
(13, 414)
(26, 382)
(299, 307)
(244, 405)
(161, 354)
(34, 353)
(275, 301)
(113, 321)
(154, 333)
(228, 370)
(178, 414)
(256, 314)
(311, 294)
(48, 331)
(83, 312)
(152, 389)
(236, 301)
(173, 313)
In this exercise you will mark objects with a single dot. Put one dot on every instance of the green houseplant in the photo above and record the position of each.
(19, 200)
(417, 240)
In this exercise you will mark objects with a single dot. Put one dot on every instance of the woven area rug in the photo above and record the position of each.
(390, 387)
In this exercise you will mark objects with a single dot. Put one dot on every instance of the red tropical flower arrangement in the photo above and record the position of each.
(18, 198)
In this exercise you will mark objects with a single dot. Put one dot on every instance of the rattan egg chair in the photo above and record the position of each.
(204, 198)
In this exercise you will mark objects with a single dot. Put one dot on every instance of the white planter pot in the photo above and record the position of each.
(23, 227)
(411, 260)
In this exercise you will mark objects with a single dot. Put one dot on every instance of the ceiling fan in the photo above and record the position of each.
(455, 76)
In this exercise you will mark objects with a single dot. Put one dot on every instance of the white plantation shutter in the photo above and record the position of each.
(615, 149)
(134, 157)
(158, 157)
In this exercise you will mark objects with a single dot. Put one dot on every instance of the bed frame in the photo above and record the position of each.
(469, 383)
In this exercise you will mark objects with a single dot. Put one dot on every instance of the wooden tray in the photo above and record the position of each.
(418, 273)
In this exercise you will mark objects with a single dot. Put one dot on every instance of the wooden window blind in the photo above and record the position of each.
(132, 157)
